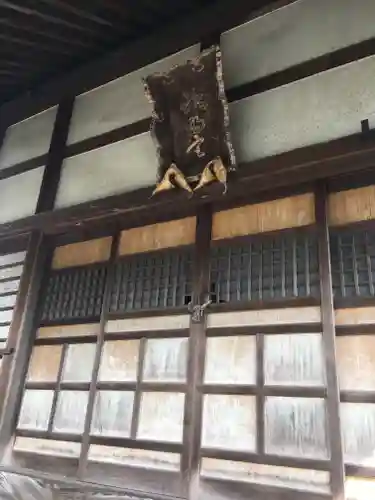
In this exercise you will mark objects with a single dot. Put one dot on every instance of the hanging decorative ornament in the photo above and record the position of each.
(190, 124)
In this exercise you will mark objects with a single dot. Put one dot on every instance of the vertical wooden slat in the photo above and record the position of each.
(260, 291)
(307, 267)
(197, 342)
(355, 267)
(342, 272)
(328, 324)
(24, 325)
(52, 171)
(138, 392)
(369, 266)
(57, 388)
(260, 393)
(98, 353)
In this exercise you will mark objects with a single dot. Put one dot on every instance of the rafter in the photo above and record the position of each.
(26, 9)
(190, 29)
(42, 29)
(81, 13)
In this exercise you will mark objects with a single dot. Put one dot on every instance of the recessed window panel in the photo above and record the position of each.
(113, 412)
(119, 361)
(358, 432)
(45, 363)
(161, 416)
(70, 412)
(35, 410)
(295, 359)
(355, 357)
(75, 293)
(152, 281)
(230, 360)
(296, 427)
(353, 263)
(229, 422)
(282, 266)
(79, 361)
(165, 360)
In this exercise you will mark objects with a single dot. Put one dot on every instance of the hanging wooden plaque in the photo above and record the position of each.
(190, 124)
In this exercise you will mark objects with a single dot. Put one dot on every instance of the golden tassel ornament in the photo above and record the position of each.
(213, 171)
(173, 178)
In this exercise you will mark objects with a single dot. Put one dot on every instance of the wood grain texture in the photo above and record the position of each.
(148, 324)
(266, 474)
(48, 332)
(295, 211)
(334, 436)
(265, 317)
(84, 253)
(46, 447)
(355, 316)
(157, 236)
(350, 206)
(44, 364)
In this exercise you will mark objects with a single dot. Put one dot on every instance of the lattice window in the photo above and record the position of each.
(274, 267)
(75, 293)
(356, 371)
(353, 263)
(263, 395)
(152, 280)
(56, 393)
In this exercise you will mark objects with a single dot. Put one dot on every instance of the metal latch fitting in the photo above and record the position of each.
(197, 311)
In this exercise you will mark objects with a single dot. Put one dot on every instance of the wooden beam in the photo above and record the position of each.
(305, 69)
(110, 137)
(176, 36)
(88, 487)
(287, 76)
(320, 161)
(34, 42)
(87, 15)
(24, 166)
(329, 338)
(38, 27)
(52, 171)
(28, 8)
(284, 77)
(36, 262)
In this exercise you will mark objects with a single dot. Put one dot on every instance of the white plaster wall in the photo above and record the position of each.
(120, 167)
(317, 109)
(28, 139)
(119, 102)
(293, 34)
(19, 195)
(313, 110)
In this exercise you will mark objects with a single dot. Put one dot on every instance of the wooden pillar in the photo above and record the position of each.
(329, 333)
(23, 330)
(197, 346)
(83, 459)
(56, 153)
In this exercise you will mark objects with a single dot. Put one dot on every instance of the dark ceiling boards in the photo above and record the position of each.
(42, 39)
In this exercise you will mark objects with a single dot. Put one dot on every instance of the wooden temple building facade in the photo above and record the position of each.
(206, 346)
